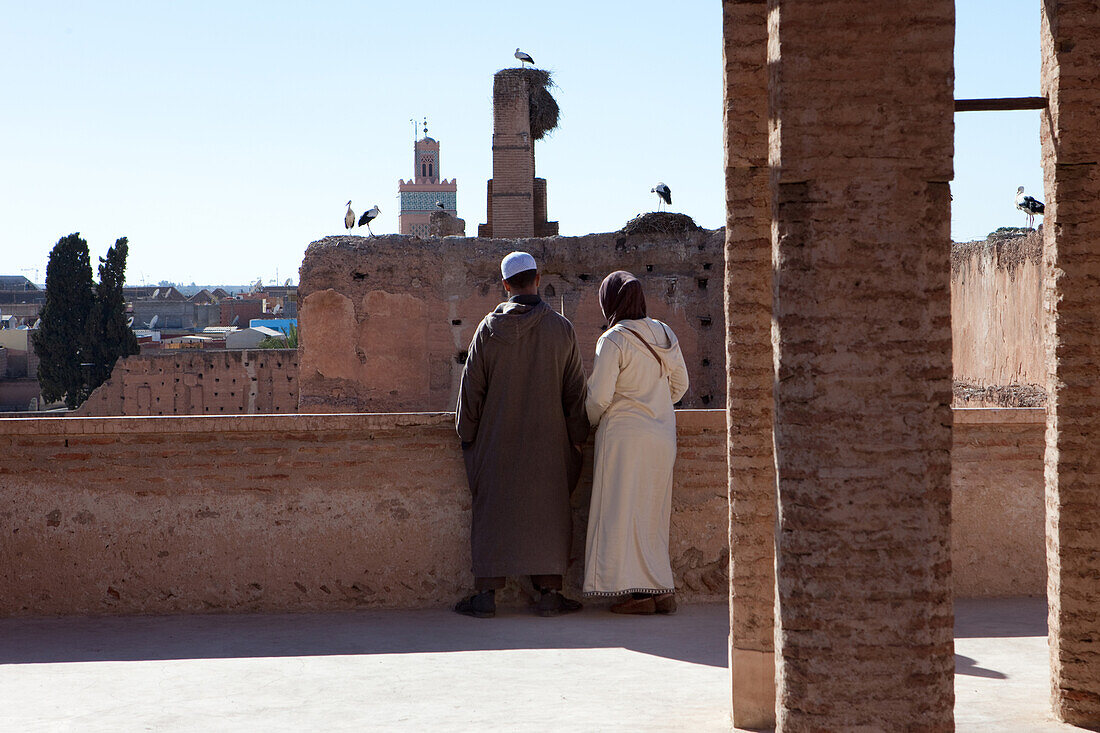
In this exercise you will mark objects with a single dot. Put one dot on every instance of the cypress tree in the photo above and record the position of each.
(60, 340)
(108, 336)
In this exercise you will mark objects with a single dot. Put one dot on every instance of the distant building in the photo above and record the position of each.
(240, 310)
(250, 338)
(420, 193)
(278, 324)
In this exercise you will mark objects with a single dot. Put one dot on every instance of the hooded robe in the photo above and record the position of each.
(520, 412)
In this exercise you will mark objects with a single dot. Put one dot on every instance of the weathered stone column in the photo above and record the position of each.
(512, 197)
(1071, 166)
(861, 150)
(749, 364)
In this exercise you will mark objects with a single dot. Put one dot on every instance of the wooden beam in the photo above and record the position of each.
(1000, 104)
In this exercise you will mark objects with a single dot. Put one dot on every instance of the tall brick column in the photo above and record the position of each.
(861, 149)
(749, 364)
(513, 193)
(1070, 134)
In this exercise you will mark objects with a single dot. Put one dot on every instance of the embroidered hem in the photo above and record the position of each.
(613, 593)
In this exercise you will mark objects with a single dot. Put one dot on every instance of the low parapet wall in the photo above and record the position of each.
(280, 512)
(315, 512)
(998, 509)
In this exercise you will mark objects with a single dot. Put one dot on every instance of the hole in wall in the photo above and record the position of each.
(461, 356)
(702, 283)
(706, 362)
(584, 276)
(358, 275)
(705, 321)
(706, 265)
(456, 321)
(550, 292)
(705, 399)
(649, 268)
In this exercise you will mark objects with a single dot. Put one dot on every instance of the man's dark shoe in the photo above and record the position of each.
(554, 603)
(480, 605)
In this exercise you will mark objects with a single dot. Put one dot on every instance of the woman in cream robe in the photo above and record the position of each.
(639, 372)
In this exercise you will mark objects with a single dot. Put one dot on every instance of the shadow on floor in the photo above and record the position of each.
(697, 634)
(969, 666)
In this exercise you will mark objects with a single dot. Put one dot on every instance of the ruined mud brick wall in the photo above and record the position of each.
(861, 148)
(997, 325)
(1070, 38)
(386, 321)
(199, 383)
(750, 370)
(516, 205)
(282, 513)
(998, 546)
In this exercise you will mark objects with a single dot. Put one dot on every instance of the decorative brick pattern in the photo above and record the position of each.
(861, 104)
(1071, 165)
(750, 370)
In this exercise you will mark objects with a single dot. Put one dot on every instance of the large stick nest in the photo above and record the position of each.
(543, 107)
(660, 222)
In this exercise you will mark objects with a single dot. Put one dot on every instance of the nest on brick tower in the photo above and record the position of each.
(544, 110)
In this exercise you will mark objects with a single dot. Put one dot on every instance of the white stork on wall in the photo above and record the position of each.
(524, 57)
(349, 218)
(664, 194)
(368, 216)
(1029, 206)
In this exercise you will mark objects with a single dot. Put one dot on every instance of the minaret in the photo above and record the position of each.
(421, 192)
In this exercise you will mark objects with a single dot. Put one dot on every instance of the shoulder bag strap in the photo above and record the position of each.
(651, 349)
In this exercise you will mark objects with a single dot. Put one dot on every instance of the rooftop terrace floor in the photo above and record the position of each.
(434, 670)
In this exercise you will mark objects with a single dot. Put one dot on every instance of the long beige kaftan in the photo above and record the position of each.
(630, 396)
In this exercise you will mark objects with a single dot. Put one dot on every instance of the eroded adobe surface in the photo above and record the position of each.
(386, 321)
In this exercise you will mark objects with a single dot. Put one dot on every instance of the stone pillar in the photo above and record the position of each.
(1070, 134)
(862, 128)
(749, 364)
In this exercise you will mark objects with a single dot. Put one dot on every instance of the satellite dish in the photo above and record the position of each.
(236, 320)
(130, 322)
(156, 292)
(37, 323)
(287, 283)
(153, 323)
(277, 310)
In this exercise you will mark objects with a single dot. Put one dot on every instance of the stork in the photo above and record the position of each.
(524, 57)
(349, 218)
(664, 194)
(1029, 206)
(368, 216)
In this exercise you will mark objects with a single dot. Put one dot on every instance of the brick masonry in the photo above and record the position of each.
(282, 513)
(516, 205)
(750, 370)
(386, 321)
(862, 129)
(199, 383)
(1070, 38)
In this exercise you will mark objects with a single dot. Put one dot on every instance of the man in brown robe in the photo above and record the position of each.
(522, 422)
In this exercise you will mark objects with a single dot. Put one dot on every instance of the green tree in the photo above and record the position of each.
(108, 335)
(60, 338)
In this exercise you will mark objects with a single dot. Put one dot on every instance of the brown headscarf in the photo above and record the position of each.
(621, 297)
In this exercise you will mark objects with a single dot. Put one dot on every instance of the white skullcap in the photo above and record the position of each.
(516, 263)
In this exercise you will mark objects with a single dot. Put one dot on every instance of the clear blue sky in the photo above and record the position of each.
(222, 138)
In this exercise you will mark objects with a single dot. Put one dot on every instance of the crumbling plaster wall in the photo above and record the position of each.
(997, 321)
(386, 321)
(234, 382)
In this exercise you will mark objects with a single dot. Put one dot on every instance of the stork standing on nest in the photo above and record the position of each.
(524, 57)
(368, 216)
(664, 194)
(349, 218)
(1029, 206)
